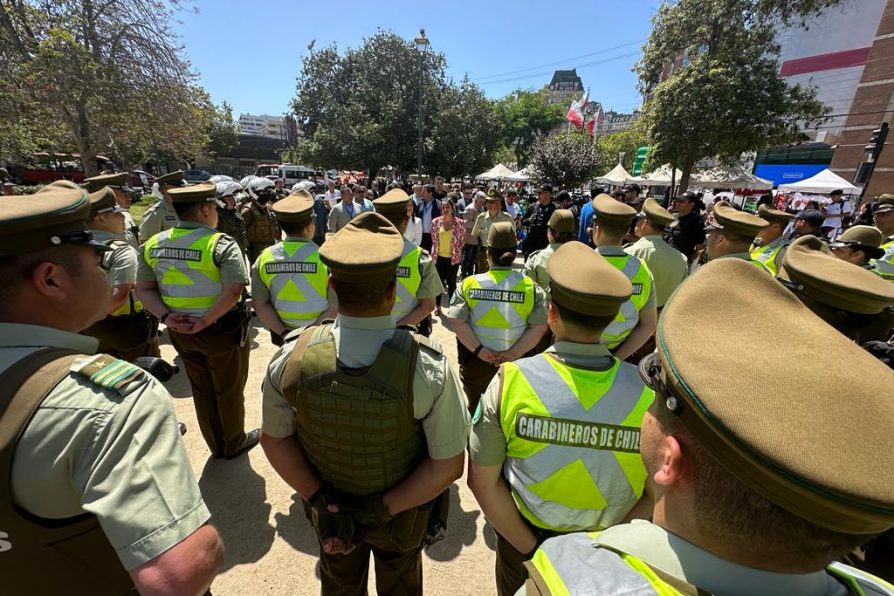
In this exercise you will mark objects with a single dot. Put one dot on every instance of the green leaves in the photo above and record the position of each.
(568, 159)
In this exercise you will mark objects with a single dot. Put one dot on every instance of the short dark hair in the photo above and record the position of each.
(590, 323)
(430, 188)
(596, 191)
(15, 269)
(364, 295)
(187, 209)
(295, 229)
(563, 196)
(504, 257)
(612, 228)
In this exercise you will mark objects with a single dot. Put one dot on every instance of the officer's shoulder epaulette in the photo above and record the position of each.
(106, 371)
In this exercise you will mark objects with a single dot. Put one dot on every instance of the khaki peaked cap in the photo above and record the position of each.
(103, 201)
(657, 214)
(55, 184)
(865, 238)
(296, 208)
(52, 217)
(729, 219)
(803, 422)
(608, 209)
(493, 195)
(774, 215)
(204, 192)
(394, 201)
(97, 182)
(175, 178)
(501, 235)
(367, 249)
(827, 279)
(582, 280)
(562, 221)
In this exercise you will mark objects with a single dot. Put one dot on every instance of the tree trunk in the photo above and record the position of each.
(685, 174)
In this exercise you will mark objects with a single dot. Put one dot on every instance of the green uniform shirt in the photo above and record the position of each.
(483, 223)
(227, 256)
(430, 285)
(260, 291)
(159, 217)
(120, 262)
(129, 236)
(487, 443)
(617, 251)
(459, 308)
(115, 453)
(535, 266)
(438, 399)
(667, 265)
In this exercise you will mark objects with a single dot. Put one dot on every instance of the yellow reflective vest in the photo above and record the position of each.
(183, 262)
(297, 281)
(500, 302)
(771, 254)
(409, 278)
(572, 455)
(885, 265)
(638, 273)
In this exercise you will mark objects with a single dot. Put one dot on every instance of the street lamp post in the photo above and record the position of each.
(421, 47)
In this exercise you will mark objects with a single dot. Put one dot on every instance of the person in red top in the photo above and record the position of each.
(447, 241)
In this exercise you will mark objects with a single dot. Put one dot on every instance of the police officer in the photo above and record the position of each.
(853, 300)
(770, 244)
(636, 321)
(747, 499)
(365, 421)
(493, 213)
(118, 183)
(537, 220)
(884, 221)
(731, 232)
(859, 245)
(193, 278)
(127, 332)
(230, 221)
(418, 283)
(289, 281)
(161, 216)
(561, 230)
(497, 316)
(260, 222)
(98, 496)
(667, 265)
(541, 463)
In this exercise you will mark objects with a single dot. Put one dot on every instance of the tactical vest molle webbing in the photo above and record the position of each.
(131, 306)
(262, 229)
(357, 426)
(47, 556)
(767, 255)
(409, 277)
(583, 564)
(183, 261)
(296, 279)
(500, 302)
(572, 452)
(885, 265)
(628, 317)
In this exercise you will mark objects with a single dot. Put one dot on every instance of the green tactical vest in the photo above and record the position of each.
(581, 564)
(638, 273)
(500, 302)
(356, 425)
(131, 306)
(297, 281)
(885, 265)
(572, 442)
(47, 556)
(183, 262)
(408, 280)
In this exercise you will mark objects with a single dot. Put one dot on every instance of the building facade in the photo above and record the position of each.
(271, 127)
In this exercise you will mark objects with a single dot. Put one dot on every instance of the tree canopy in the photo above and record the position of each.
(567, 159)
(112, 73)
(710, 72)
(524, 116)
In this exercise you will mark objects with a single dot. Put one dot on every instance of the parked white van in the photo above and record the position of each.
(292, 174)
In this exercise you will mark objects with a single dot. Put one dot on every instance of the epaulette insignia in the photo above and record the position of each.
(106, 371)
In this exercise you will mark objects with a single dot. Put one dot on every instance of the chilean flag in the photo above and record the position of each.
(575, 115)
(593, 124)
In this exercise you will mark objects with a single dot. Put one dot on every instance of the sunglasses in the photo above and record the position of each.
(650, 372)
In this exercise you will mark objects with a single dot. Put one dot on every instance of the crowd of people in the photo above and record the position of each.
(660, 399)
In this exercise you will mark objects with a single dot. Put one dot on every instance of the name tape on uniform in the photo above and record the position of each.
(403, 272)
(637, 289)
(497, 295)
(290, 267)
(574, 433)
(177, 254)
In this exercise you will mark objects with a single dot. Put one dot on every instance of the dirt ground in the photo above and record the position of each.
(270, 547)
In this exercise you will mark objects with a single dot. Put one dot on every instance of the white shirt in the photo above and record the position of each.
(332, 197)
(512, 209)
(834, 211)
(414, 230)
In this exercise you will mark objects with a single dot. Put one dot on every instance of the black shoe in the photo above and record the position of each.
(182, 428)
(252, 438)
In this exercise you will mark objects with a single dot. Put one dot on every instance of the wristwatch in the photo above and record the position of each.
(164, 317)
(478, 349)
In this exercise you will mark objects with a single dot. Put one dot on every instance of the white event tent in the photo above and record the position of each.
(730, 177)
(822, 183)
(498, 172)
(523, 175)
(617, 177)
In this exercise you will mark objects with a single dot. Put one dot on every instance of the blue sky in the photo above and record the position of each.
(249, 53)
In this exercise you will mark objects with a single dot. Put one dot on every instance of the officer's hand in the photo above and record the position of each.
(368, 511)
(179, 322)
(489, 356)
(334, 546)
(197, 324)
(507, 356)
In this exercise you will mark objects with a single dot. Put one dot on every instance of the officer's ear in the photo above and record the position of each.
(391, 290)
